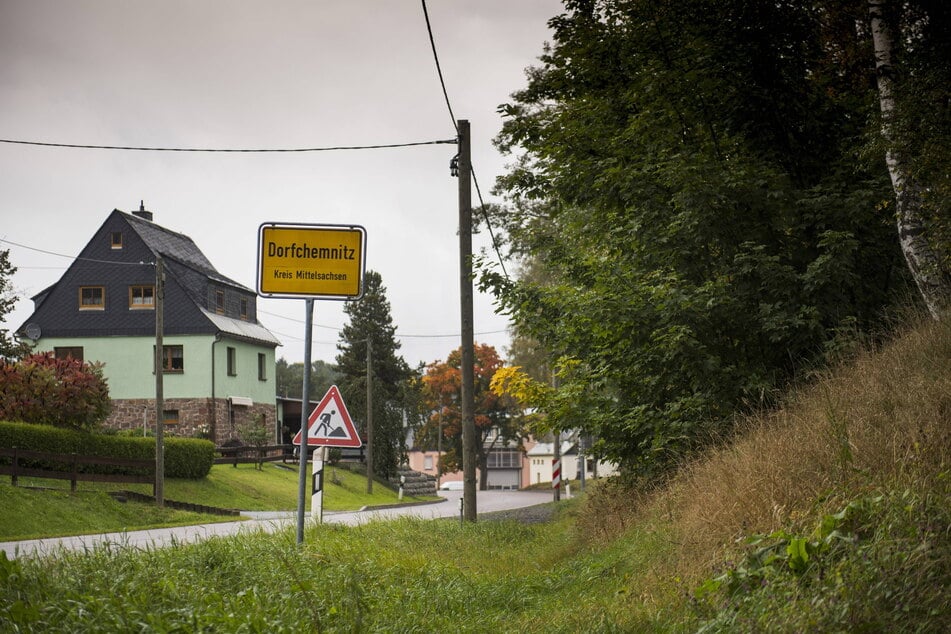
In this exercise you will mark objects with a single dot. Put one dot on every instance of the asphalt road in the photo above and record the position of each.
(486, 502)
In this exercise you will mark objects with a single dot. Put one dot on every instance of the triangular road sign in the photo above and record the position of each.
(329, 424)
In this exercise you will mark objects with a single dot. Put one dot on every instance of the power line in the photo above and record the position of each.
(398, 335)
(299, 321)
(73, 257)
(442, 82)
(445, 92)
(229, 150)
(264, 312)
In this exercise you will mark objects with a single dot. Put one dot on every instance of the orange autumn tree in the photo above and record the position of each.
(497, 418)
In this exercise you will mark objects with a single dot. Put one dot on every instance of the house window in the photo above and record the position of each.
(220, 302)
(244, 308)
(232, 362)
(67, 352)
(503, 459)
(142, 297)
(262, 366)
(116, 240)
(92, 298)
(170, 416)
(173, 359)
(428, 463)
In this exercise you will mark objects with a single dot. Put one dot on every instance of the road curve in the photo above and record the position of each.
(487, 502)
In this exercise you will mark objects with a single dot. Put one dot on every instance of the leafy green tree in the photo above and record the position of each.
(525, 351)
(9, 347)
(45, 390)
(371, 322)
(688, 176)
(290, 378)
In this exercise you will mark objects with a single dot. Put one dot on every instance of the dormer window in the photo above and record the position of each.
(220, 302)
(92, 298)
(244, 309)
(116, 239)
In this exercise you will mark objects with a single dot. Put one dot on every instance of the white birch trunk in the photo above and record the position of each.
(921, 258)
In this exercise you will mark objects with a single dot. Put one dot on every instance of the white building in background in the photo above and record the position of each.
(541, 456)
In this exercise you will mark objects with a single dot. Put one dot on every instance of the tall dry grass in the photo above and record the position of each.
(881, 420)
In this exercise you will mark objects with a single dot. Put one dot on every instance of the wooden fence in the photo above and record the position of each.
(73, 461)
(249, 454)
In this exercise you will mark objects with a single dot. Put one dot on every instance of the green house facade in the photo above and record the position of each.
(218, 360)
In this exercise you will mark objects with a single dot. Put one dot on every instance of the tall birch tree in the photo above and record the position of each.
(923, 259)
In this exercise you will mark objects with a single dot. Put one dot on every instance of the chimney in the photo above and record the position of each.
(142, 213)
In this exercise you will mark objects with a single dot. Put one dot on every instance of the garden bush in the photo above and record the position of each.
(45, 390)
(184, 457)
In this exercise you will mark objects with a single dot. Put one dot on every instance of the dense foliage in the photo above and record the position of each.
(290, 378)
(691, 178)
(49, 391)
(184, 457)
(371, 324)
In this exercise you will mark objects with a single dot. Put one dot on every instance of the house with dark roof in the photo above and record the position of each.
(218, 360)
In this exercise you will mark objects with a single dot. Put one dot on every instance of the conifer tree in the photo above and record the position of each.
(370, 320)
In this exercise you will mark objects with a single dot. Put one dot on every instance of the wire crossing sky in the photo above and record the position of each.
(294, 78)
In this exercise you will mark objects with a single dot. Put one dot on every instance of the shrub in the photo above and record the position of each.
(188, 457)
(44, 390)
(184, 457)
(882, 564)
(256, 434)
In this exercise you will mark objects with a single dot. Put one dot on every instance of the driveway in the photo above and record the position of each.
(487, 502)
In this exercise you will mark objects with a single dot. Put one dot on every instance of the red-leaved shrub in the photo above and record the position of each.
(60, 392)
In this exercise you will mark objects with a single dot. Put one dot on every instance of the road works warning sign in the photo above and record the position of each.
(329, 424)
(311, 261)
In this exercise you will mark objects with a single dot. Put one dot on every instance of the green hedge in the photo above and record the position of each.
(184, 457)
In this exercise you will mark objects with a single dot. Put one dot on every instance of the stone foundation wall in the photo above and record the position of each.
(215, 419)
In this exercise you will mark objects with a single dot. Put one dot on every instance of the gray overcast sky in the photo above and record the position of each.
(276, 74)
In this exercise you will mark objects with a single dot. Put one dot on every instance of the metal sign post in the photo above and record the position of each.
(309, 261)
(305, 400)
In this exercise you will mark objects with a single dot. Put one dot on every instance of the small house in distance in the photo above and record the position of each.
(217, 360)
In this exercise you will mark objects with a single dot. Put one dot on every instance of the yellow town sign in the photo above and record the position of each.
(311, 261)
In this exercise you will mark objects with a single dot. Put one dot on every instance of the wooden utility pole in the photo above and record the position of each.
(159, 382)
(468, 351)
(369, 416)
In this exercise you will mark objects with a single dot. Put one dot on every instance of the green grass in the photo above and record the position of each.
(397, 576)
(31, 513)
(780, 530)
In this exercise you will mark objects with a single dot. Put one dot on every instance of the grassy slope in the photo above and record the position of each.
(43, 513)
(864, 452)
(846, 493)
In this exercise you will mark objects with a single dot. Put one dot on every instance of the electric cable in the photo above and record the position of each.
(475, 180)
(449, 336)
(230, 150)
(75, 258)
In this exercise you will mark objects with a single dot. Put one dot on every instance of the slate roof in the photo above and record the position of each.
(191, 282)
